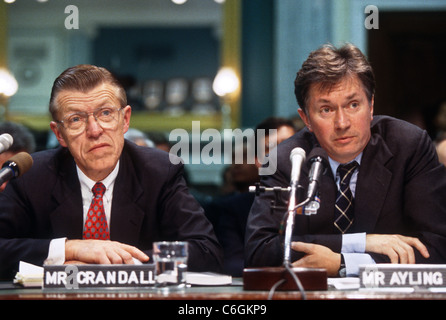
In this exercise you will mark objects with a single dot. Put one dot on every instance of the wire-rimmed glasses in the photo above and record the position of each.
(106, 117)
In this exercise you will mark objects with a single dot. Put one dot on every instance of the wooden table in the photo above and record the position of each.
(234, 292)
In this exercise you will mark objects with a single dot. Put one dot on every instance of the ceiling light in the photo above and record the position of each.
(8, 84)
(225, 82)
(179, 1)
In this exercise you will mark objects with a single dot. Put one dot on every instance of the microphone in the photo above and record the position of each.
(6, 141)
(319, 162)
(15, 166)
(297, 156)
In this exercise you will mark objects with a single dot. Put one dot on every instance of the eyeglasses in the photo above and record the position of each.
(106, 117)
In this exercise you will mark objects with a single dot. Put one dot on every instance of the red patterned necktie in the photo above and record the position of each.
(96, 226)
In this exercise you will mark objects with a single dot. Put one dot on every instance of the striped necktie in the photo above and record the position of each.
(344, 207)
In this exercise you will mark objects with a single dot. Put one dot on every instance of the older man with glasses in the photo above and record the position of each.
(53, 215)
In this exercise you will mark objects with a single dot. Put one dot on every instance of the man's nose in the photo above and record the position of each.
(342, 120)
(93, 126)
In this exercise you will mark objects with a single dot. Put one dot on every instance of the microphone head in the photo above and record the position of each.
(6, 140)
(21, 162)
(297, 152)
(318, 154)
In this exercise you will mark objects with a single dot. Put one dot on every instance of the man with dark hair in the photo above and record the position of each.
(390, 206)
(276, 130)
(45, 215)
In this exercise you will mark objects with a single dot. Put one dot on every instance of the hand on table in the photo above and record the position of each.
(400, 249)
(317, 256)
(101, 252)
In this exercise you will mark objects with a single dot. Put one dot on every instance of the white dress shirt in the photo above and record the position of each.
(353, 244)
(56, 254)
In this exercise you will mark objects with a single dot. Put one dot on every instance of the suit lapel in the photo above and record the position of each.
(126, 215)
(372, 186)
(327, 191)
(67, 218)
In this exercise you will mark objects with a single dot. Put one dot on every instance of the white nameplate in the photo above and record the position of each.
(98, 276)
(423, 276)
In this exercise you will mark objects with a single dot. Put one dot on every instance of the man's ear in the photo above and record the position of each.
(304, 117)
(55, 128)
(127, 115)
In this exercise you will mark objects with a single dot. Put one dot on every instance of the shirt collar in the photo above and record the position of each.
(109, 181)
(334, 164)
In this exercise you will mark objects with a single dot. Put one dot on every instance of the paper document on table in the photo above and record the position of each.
(29, 275)
(198, 278)
(349, 283)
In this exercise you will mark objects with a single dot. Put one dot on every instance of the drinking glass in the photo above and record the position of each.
(170, 259)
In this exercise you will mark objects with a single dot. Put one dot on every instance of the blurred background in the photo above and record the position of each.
(168, 54)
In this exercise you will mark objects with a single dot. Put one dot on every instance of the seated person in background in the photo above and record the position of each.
(396, 208)
(138, 137)
(284, 128)
(23, 141)
(230, 212)
(45, 216)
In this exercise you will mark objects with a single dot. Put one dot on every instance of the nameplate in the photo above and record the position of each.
(98, 276)
(421, 276)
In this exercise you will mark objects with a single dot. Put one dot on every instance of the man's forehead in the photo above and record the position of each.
(346, 95)
(104, 93)
(347, 87)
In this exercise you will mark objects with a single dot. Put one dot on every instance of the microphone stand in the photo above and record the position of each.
(286, 277)
(288, 233)
(290, 223)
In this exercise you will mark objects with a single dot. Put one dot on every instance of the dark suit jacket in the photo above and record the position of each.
(228, 214)
(401, 189)
(151, 202)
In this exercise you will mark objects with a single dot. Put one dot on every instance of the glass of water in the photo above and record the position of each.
(170, 259)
